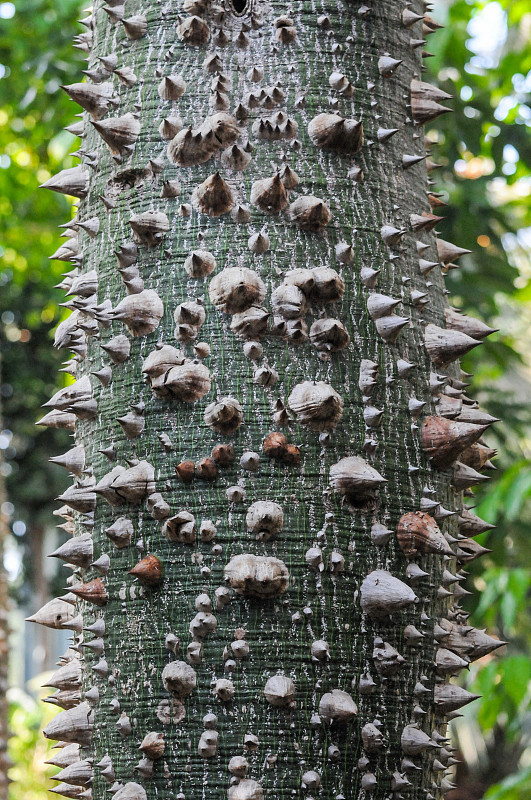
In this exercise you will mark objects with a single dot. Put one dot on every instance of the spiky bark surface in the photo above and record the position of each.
(318, 666)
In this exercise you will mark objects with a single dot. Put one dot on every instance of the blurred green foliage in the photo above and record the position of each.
(28, 749)
(515, 787)
(483, 57)
(36, 55)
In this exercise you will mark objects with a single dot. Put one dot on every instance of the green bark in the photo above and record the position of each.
(320, 604)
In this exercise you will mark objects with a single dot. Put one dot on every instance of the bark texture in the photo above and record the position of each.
(276, 637)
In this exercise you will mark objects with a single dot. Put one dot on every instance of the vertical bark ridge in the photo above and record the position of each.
(302, 747)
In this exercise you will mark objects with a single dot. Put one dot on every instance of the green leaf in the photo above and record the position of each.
(515, 673)
(488, 712)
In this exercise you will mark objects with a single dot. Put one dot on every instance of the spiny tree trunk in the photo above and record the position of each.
(267, 515)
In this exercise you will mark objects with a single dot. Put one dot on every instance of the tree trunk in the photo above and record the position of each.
(4, 641)
(260, 464)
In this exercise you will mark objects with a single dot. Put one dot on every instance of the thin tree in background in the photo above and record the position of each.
(4, 644)
(272, 438)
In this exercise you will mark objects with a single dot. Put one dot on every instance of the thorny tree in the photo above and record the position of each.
(271, 432)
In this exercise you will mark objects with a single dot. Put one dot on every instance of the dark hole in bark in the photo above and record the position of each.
(240, 5)
(125, 180)
(362, 502)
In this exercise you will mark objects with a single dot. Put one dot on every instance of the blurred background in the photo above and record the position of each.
(483, 57)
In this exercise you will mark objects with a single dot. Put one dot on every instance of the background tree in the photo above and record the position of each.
(4, 650)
